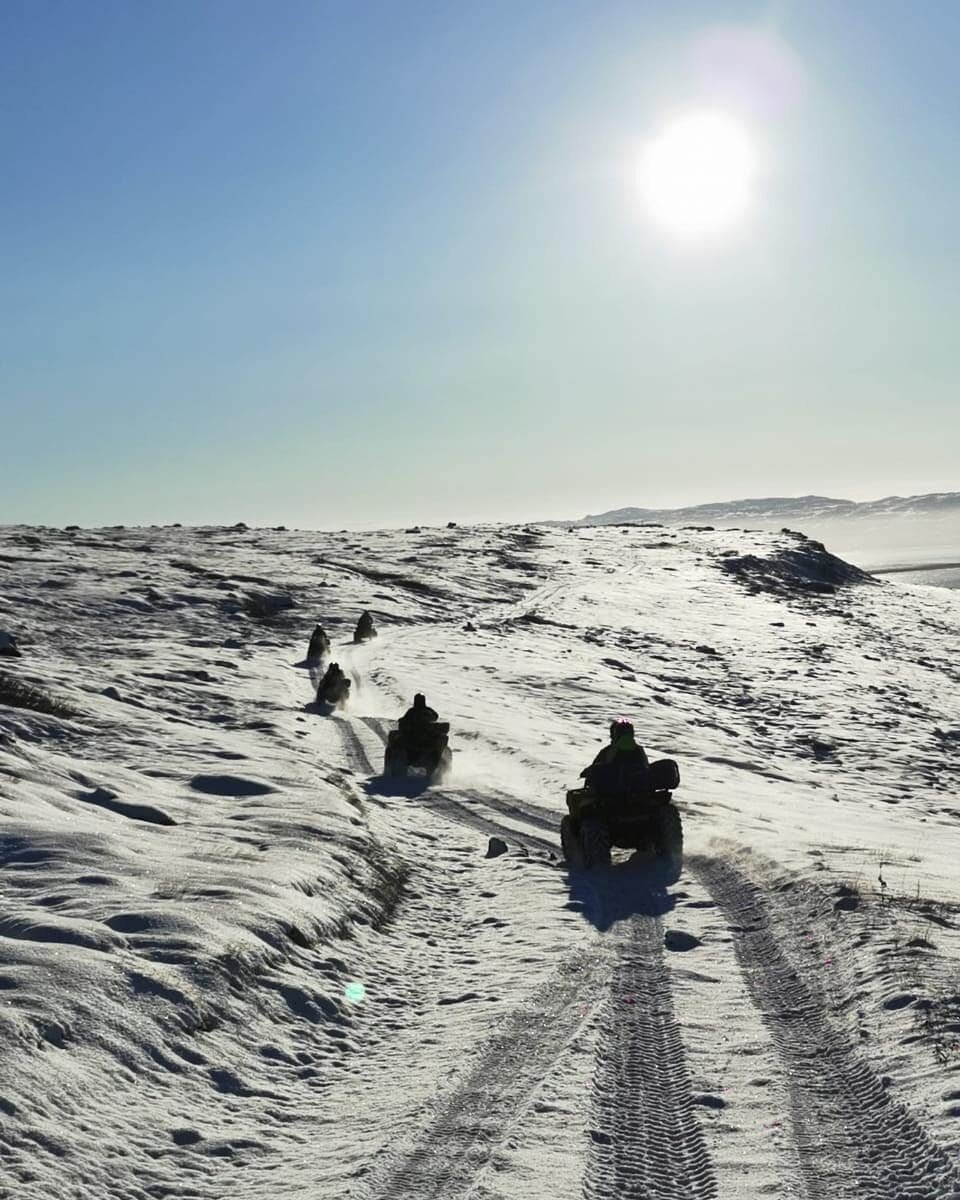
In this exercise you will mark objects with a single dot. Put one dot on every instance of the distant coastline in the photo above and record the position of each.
(936, 574)
(937, 566)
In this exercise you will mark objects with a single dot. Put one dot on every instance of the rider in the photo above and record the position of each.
(415, 721)
(621, 766)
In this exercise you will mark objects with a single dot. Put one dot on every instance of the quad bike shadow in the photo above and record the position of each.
(410, 786)
(637, 887)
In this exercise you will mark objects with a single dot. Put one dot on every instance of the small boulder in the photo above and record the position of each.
(679, 941)
(495, 847)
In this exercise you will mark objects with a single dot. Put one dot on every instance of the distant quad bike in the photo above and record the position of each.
(334, 687)
(645, 820)
(319, 645)
(422, 752)
(365, 629)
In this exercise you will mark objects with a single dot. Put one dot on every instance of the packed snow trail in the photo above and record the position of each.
(447, 1158)
(853, 1139)
(646, 1141)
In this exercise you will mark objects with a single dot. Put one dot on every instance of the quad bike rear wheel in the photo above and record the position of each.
(595, 839)
(572, 850)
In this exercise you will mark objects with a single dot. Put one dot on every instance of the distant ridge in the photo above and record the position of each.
(780, 509)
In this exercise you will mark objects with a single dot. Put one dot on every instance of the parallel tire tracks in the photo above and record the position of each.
(532, 814)
(445, 1161)
(460, 810)
(647, 1142)
(852, 1138)
(353, 746)
(445, 805)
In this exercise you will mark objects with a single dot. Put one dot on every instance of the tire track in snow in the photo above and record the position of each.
(852, 1139)
(353, 746)
(530, 814)
(456, 1147)
(646, 1140)
(643, 1091)
(461, 813)
(460, 808)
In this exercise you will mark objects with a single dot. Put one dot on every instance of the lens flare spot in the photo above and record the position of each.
(354, 993)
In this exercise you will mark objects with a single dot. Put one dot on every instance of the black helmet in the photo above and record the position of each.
(620, 727)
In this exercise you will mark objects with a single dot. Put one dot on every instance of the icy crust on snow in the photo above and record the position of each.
(197, 866)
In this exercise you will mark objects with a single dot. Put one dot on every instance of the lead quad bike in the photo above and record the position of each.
(643, 819)
(422, 752)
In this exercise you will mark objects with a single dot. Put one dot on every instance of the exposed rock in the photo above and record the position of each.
(8, 646)
(677, 940)
(795, 571)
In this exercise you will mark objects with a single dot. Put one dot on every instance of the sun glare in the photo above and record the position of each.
(697, 175)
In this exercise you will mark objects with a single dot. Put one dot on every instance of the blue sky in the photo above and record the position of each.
(349, 263)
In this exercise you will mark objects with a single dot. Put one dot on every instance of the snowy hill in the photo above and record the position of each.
(236, 962)
(892, 532)
(788, 508)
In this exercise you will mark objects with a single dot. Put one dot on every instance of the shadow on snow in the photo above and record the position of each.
(637, 887)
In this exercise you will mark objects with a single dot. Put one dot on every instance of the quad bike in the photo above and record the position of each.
(365, 629)
(424, 751)
(646, 819)
(334, 687)
(319, 645)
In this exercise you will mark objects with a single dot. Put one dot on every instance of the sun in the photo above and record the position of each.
(697, 175)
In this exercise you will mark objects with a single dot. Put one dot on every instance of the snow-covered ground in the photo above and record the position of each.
(235, 962)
